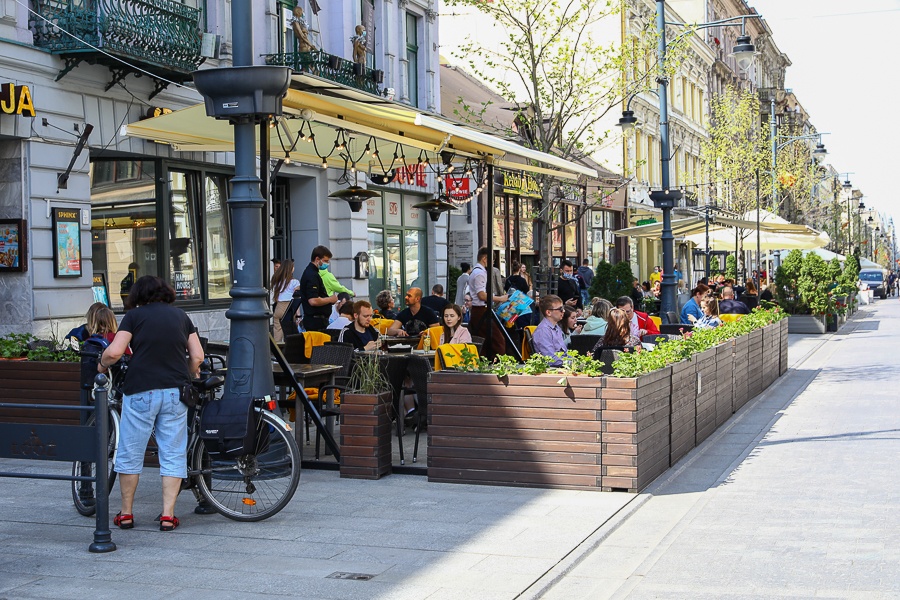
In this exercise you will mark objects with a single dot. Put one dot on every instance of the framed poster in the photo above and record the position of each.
(100, 288)
(66, 242)
(13, 255)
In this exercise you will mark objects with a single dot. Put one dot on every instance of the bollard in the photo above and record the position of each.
(102, 534)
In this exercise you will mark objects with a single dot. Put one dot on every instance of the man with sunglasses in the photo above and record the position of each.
(548, 336)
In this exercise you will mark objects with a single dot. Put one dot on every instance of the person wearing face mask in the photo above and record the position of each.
(568, 288)
(316, 301)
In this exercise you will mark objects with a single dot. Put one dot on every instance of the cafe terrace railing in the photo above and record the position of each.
(330, 67)
(163, 36)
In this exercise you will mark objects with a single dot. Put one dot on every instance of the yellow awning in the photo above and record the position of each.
(190, 130)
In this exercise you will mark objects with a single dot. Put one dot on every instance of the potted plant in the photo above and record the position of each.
(366, 420)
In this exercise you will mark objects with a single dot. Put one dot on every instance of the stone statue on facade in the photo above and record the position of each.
(359, 45)
(301, 31)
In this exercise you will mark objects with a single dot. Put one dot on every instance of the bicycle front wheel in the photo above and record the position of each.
(255, 486)
(83, 491)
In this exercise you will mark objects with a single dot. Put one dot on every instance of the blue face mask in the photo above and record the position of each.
(323, 266)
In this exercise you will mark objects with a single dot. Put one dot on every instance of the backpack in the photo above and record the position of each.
(228, 428)
(91, 350)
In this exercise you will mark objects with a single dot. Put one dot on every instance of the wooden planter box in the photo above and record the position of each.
(771, 356)
(706, 394)
(683, 416)
(365, 435)
(34, 382)
(739, 380)
(754, 358)
(522, 430)
(783, 366)
(724, 382)
(806, 324)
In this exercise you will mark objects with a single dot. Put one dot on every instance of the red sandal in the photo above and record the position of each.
(168, 523)
(125, 521)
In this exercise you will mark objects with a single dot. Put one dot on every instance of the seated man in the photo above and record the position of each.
(415, 318)
(436, 300)
(728, 305)
(345, 316)
(641, 324)
(548, 337)
(360, 332)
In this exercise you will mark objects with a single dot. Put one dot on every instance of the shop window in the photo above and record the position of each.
(526, 224)
(398, 245)
(128, 216)
(412, 57)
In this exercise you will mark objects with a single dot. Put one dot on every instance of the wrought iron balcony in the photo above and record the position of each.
(330, 67)
(160, 36)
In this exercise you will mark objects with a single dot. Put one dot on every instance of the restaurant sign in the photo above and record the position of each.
(16, 100)
(520, 184)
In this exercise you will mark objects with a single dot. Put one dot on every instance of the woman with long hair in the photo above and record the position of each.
(569, 324)
(618, 330)
(166, 355)
(596, 322)
(750, 297)
(454, 332)
(283, 287)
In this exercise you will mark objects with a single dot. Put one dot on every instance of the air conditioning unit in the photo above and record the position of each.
(210, 45)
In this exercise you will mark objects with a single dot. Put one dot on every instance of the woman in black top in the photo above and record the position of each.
(750, 297)
(161, 337)
(517, 280)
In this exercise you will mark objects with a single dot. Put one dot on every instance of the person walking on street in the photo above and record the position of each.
(166, 355)
(587, 275)
(567, 286)
(316, 301)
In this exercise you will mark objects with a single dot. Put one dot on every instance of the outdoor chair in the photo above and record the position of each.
(675, 329)
(730, 318)
(419, 369)
(448, 356)
(608, 355)
(584, 343)
(671, 317)
(329, 354)
(528, 341)
(295, 349)
(654, 338)
(479, 343)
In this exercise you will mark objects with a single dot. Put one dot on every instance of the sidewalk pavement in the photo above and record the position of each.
(796, 497)
(416, 539)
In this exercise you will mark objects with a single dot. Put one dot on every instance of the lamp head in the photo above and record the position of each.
(820, 152)
(628, 120)
(862, 205)
(870, 219)
(355, 196)
(847, 185)
(743, 51)
(436, 207)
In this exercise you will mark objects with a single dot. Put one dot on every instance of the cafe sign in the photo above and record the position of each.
(16, 100)
(521, 184)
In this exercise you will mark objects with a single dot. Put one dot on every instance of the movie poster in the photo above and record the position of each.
(12, 245)
(66, 242)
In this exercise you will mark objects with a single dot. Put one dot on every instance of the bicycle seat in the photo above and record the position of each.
(210, 383)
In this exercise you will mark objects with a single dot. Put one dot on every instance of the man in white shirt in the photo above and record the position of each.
(480, 320)
(462, 284)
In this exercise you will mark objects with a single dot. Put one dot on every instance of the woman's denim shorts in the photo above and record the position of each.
(161, 412)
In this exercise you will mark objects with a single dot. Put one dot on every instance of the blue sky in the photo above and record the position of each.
(845, 73)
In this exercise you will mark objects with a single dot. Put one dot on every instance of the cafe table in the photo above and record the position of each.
(307, 376)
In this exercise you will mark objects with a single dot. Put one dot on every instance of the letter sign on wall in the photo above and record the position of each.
(16, 100)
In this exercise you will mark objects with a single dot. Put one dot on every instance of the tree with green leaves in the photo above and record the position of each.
(612, 281)
(787, 292)
(731, 267)
(550, 63)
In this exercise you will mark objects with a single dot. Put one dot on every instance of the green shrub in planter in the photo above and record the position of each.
(814, 284)
(787, 278)
(731, 267)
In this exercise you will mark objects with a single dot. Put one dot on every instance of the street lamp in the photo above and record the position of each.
(666, 198)
(818, 154)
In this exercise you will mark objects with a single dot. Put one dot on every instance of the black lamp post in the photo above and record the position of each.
(666, 198)
(246, 95)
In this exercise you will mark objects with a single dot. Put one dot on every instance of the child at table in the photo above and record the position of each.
(710, 318)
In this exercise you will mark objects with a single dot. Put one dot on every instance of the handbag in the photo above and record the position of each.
(189, 395)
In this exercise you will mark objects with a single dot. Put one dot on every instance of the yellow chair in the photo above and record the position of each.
(656, 320)
(313, 338)
(450, 355)
(730, 318)
(434, 333)
(527, 341)
(382, 325)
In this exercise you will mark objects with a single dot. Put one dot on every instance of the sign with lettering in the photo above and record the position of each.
(521, 184)
(393, 212)
(411, 175)
(100, 289)
(458, 188)
(66, 242)
(16, 100)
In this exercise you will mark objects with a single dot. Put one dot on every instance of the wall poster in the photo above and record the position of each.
(13, 255)
(66, 242)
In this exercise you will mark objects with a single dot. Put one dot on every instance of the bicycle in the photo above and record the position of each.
(251, 487)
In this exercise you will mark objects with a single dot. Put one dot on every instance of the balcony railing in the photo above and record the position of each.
(160, 33)
(331, 67)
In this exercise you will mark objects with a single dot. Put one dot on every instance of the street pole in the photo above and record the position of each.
(665, 198)
(773, 131)
(758, 253)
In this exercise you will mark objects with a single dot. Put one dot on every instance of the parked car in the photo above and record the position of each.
(877, 282)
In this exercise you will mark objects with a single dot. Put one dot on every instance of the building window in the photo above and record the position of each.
(398, 245)
(132, 228)
(367, 19)
(412, 57)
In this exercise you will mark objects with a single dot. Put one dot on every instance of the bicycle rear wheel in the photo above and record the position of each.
(83, 491)
(255, 486)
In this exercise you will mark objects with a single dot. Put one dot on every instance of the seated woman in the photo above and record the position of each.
(750, 297)
(710, 317)
(618, 332)
(454, 332)
(569, 324)
(596, 322)
(385, 302)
